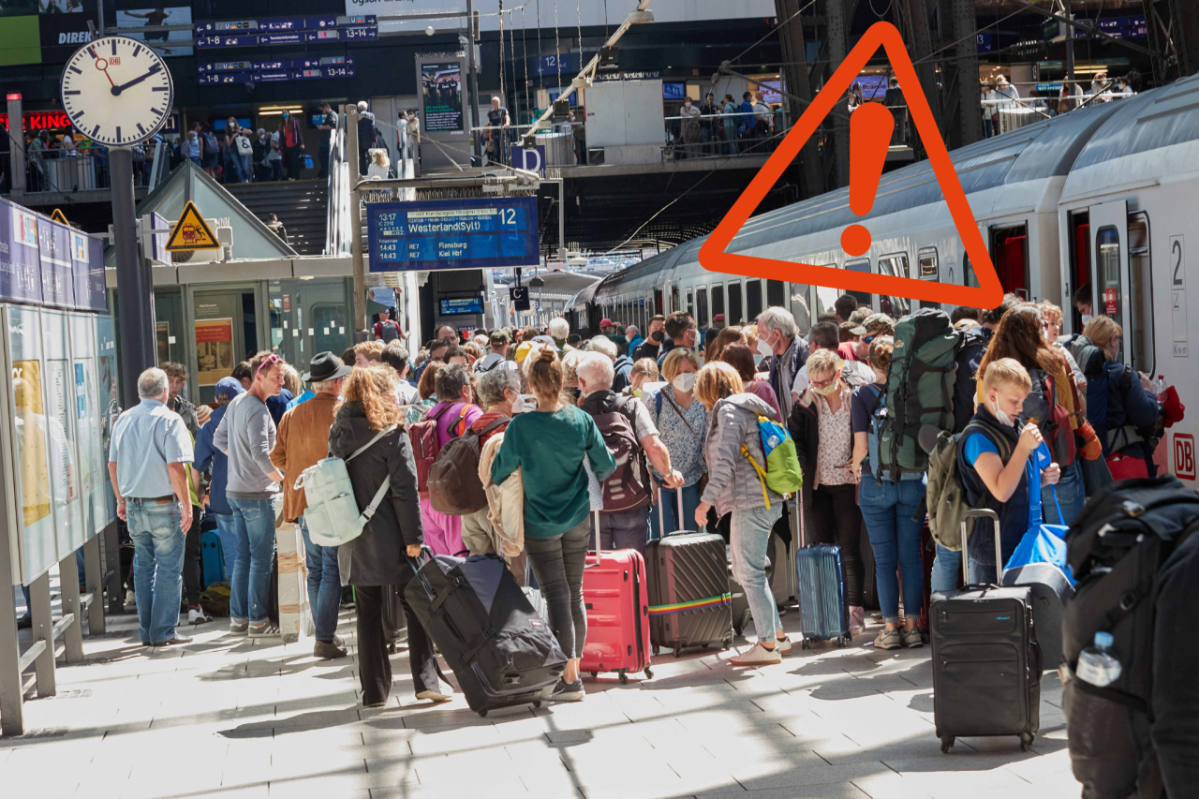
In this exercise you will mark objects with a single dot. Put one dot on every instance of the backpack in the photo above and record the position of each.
(210, 143)
(332, 515)
(920, 385)
(423, 435)
(782, 473)
(1119, 547)
(970, 354)
(1050, 417)
(628, 487)
(453, 481)
(946, 497)
(390, 331)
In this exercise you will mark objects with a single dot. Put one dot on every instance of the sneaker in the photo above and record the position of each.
(887, 639)
(758, 655)
(568, 691)
(239, 627)
(857, 620)
(197, 615)
(783, 645)
(130, 600)
(25, 622)
(912, 638)
(264, 629)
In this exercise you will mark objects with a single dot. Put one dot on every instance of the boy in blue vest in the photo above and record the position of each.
(996, 468)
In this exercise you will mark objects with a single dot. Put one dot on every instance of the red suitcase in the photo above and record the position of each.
(617, 601)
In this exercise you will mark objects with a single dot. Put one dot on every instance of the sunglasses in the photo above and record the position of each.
(870, 338)
(270, 361)
(824, 383)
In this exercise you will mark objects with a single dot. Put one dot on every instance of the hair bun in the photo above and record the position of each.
(547, 354)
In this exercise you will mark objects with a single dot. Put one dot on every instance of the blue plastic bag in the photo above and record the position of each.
(1045, 544)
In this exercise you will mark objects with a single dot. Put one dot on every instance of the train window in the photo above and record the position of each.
(690, 303)
(927, 259)
(896, 266)
(968, 276)
(776, 294)
(1107, 245)
(799, 306)
(753, 299)
(1141, 343)
(863, 297)
(674, 299)
(736, 313)
(825, 297)
(1080, 258)
(718, 300)
(658, 301)
(1009, 253)
(701, 307)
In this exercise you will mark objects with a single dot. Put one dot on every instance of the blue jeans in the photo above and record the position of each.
(243, 161)
(228, 536)
(749, 534)
(1071, 495)
(254, 524)
(670, 511)
(324, 585)
(946, 568)
(158, 546)
(888, 509)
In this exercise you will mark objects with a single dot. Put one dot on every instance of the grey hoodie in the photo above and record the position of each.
(733, 484)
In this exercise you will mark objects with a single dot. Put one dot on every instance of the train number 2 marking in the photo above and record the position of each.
(1184, 456)
(1176, 253)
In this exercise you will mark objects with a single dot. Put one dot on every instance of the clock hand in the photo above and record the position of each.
(118, 89)
(104, 69)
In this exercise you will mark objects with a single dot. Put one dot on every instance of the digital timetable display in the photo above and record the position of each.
(453, 234)
(217, 73)
(294, 31)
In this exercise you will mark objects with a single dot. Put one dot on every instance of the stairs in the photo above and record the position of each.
(301, 205)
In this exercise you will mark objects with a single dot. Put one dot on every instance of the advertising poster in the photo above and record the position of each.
(20, 259)
(58, 278)
(441, 85)
(107, 409)
(60, 6)
(31, 441)
(87, 261)
(163, 330)
(214, 350)
(161, 42)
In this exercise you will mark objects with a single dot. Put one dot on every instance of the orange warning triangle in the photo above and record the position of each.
(57, 216)
(713, 257)
(192, 232)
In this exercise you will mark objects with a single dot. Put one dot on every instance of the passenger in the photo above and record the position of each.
(1131, 404)
(395, 356)
(242, 374)
(643, 371)
(630, 434)
(301, 441)
(621, 365)
(652, 346)
(448, 334)
(436, 349)
(426, 392)
(1051, 332)
(501, 343)
(368, 352)
(970, 355)
(375, 563)
(820, 425)
(682, 424)
(499, 391)
(456, 355)
(823, 336)
(723, 338)
(844, 306)
(473, 353)
(778, 336)
(1084, 302)
(963, 312)
(216, 463)
(680, 332)
(739, 357)
(876, 326)
(559, 331)
(735, 488)
(633, 339)
(991, 483)
(443, 532)
(549, 446)
(570, 377)
(889, 509)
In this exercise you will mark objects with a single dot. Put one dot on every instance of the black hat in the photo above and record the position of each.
(325, 366)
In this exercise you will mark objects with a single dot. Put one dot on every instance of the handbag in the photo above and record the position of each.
(1127, 467)
(243, 146)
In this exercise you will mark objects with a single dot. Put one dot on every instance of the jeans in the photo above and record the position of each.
(158, 566)
(1071, 495)
(324, 585)
(244, 162)
(232, 166)
(749, 536)
(627, 529)
(836, 520)
(730, 138)
(323, 155)
(228, 536)
(670, 510)
(558, 566)
(373, 661)
(947, 567)
(888, 509)
(254, 525)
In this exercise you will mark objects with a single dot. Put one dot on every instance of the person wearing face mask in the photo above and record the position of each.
(291, 140)
(682, 422)
(826, 336)
(680, 332)
(643, 371)
(690, 129)
(778, 340)
(652, 346)
(821, 425)
(1011, 487)
(1084, 303)
(1129, 407)
(739, 357)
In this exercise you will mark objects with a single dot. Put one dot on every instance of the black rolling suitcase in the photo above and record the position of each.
(986, 662)
(688, 586)
(395, 622)
(502, 652)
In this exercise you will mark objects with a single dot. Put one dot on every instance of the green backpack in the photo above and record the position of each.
(920, 385)
(782, 474)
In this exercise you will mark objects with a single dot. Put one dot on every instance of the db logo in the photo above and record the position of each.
(1184, 456)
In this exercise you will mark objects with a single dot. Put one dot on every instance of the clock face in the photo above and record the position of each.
(117, 91)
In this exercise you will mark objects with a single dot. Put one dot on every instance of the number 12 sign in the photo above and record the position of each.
(453, 234)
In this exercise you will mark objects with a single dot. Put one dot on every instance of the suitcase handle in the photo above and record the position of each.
(599, 542)
(682, 519)
(983, 513)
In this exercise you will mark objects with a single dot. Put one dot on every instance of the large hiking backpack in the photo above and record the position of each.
(423, 435)
(1118, 548)
(946, 496)
(453, 482)
(920, 386)
(629, 486)
(331, 512)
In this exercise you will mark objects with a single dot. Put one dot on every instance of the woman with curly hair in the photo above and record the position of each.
(377, 559)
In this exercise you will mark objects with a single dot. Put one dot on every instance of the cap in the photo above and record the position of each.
(857, 331)
(546, 340)
(878, 323)
(523, 350)
(718, 318)
(606, 322)
(500, 336)
(325, 366)
(228, 388)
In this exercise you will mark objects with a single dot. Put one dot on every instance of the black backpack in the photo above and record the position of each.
(1118, 548)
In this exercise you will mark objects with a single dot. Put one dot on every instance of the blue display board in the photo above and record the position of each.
(58, 277)
(453, 234)
(87, 262)
(216, 73)
(288, 32)
(20, 259)
(467, 305)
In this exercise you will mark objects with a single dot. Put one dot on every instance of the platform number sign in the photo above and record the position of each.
(1184, 456)
(1178, 296)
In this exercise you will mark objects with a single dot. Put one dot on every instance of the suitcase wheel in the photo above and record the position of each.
(1025, 741)
(624, 677)
(483, 713)
(948, 740)
(725, 644)
(678, 650)
(649, 674)
(594, 674)
(804, 644)
(536, 703)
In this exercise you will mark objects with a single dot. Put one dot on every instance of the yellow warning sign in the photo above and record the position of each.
(192, 232)
(57, 216)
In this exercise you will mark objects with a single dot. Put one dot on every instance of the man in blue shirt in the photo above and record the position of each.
(209, 458)
(747, 115)
(149, 448)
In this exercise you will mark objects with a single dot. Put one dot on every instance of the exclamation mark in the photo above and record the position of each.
(870, 127)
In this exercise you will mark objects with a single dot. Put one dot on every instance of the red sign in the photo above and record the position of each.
(42, 120)
(287, 302)
(13, 96)
(1184, 456)
(1110, 303)
(208, 331)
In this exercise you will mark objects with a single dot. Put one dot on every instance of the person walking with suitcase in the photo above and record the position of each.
(733, 437)
(377, 560)
(681, 422)
(549, 446)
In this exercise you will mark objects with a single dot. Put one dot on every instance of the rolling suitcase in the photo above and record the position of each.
(212, 558)
(500, 650)
(617, 603)
(688, 586)
(986, 662)
(783, 578)
(823, 614)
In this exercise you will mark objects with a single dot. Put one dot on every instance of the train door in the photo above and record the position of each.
(1109, 265)
(701, 307)
(1009, 253)
(930, 270)
(1079, 246)
(895, 265)
(718, 300)
(753, 299)
(736, 311)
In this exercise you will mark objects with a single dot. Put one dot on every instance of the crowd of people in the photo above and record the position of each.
(615, 440)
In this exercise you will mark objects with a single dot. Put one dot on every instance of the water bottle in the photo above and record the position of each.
(1097, 665)
(1159, 385)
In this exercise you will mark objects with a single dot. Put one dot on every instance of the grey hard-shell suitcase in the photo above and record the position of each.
(823, 614)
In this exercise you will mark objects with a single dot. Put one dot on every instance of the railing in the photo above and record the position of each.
(70, 171)
(739, 134)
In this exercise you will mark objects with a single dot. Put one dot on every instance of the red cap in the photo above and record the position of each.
(606, 322)
(718, 317)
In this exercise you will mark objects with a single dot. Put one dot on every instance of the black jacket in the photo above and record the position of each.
(377, 556)
(1175, 729)
(974, 346)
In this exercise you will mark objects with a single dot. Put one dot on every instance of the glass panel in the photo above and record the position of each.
(862, 297)
(219, 332)
(1141, 341)
(928, 271)
(776, 294)
(168, 310)
(800, 308)
(968, 272)
(735, 311)
(701, 307)
(1107, 249)
(92, 464)
(106, 363)
(691, 303)
(753, 299)
(58, 383)
(897, 266)
(825, 297)
(718, 300)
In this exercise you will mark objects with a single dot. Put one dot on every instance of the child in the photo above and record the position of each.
(999, 483)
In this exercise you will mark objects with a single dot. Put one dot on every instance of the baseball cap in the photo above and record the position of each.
(606, 322)
(500, 336)
(718, 318)
(878, 323)
(228, 388)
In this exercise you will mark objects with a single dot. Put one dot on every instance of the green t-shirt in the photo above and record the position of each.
(549, 449)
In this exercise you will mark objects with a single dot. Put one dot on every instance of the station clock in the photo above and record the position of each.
(117, 91)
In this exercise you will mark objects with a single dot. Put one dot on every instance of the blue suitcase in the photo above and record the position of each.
(823, 614)
(213, 557)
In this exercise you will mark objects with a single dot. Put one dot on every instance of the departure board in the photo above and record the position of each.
(293, 31)
(453, 234)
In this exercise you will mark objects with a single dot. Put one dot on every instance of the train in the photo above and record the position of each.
(1103, 196)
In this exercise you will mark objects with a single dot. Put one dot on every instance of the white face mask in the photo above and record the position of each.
(1000, 416)
(524, 404)
(765, 348)
(683, 382)
(1086, 318)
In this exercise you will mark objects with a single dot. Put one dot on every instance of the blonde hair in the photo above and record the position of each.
(1051, 313)
(716, 381)
(544, 371)
(822, 362)
(374, 388)
(291, 380)
(1101, 330)
(1006, 373)
(379, 158)
(570, 367)
(670, 366)
(645, 367)
(880, 352)
(371, 350)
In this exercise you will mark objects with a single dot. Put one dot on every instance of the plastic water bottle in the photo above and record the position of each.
(1097, 665)
(1159, 385)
